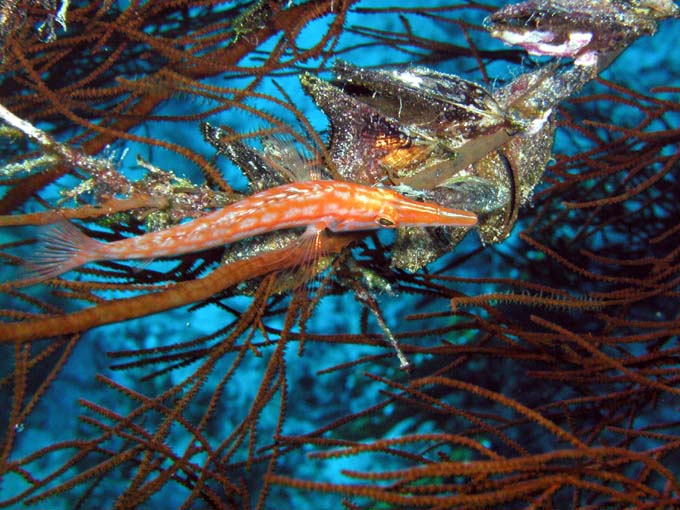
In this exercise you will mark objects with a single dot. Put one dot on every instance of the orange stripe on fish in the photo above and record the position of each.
(338, 206)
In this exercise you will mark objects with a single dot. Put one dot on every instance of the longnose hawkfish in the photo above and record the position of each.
(338, 206)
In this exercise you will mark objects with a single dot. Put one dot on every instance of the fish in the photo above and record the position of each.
(316, 205)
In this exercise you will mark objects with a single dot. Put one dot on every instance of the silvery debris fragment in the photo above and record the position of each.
(363, 141)
(252, 163)
(443, 104)
(393, 124)
(578, 29)
(418, 129)
(472, 193)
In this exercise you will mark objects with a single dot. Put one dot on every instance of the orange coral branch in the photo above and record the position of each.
(167, 298)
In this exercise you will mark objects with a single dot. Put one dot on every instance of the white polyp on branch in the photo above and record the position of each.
(68, 154)
(35, 134)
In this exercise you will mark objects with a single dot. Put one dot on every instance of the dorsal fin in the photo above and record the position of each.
(290, 160)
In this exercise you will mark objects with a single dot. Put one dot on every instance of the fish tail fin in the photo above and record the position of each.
(61, 247)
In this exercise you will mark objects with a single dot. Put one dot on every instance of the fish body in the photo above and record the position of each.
(338, 206)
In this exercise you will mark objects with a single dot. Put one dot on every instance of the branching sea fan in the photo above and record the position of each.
(526, 358)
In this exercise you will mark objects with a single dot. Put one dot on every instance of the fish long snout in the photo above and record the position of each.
(428, 214)
(458, 217)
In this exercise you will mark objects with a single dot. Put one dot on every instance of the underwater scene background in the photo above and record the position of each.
(529, 362)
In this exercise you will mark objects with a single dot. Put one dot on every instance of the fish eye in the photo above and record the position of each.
(384, 222)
